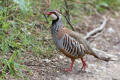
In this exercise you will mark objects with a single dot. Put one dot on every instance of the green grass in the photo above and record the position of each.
(23, 29)
(18, 35)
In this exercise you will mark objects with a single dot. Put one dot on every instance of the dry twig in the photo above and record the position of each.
(97, 30)
(102, 55)
(67, 15)
(45, 18)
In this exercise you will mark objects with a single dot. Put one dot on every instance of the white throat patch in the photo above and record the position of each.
(54, 17)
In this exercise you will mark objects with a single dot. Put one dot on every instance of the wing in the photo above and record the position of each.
(72, 47)
(73, 44)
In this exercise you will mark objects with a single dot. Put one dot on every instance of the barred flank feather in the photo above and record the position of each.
(73, 47)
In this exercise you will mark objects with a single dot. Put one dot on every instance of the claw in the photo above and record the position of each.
(70, 69)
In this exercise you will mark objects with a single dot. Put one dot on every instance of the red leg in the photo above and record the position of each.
(68, 70)
(84, 64)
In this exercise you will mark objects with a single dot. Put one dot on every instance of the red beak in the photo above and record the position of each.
(48, 13)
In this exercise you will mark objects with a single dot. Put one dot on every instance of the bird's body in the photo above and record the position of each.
(70, 43)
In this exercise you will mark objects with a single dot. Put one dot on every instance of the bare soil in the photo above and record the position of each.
(52, 68)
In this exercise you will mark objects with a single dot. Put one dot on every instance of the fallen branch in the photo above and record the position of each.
(97, 30)
(101, 54)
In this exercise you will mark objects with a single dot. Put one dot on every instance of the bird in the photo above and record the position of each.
(69, 42)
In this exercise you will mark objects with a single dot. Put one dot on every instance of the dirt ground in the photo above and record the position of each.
(53, 68)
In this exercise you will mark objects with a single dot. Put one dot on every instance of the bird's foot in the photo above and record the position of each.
(84, 67)
(84, 64)
(68, 70)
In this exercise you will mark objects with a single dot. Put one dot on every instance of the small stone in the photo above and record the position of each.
(70, 79)
(29, 33)
(61, 57)
(46, 60)
(110, 30)
(57, 71)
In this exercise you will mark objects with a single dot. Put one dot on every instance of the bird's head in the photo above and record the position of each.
(55, 15)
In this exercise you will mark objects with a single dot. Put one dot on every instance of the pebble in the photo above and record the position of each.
(110, 30)
(46, 60)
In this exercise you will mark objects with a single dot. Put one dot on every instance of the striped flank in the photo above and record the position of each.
(72, 46)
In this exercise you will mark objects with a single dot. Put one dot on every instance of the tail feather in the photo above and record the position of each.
(102, 55)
